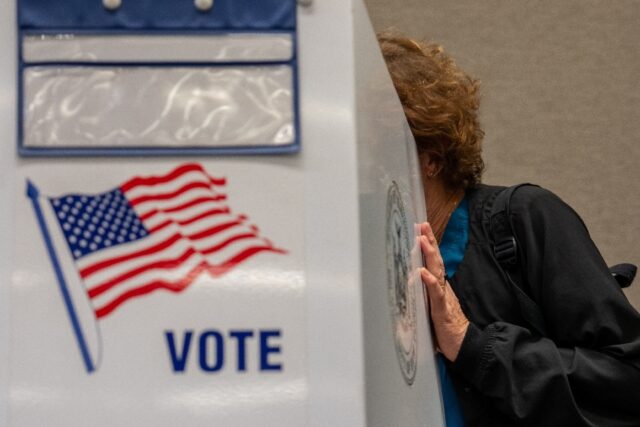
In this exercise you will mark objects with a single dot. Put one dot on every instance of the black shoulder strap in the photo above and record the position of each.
(505, 250)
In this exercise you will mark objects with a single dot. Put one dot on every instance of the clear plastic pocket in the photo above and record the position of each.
(146, 94)
(164, 48)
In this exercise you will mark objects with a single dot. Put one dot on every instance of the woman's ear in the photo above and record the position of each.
(429, 165)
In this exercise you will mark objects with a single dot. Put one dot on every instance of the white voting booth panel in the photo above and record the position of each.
(166, 287)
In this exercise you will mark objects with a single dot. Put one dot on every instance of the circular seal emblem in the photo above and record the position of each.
(402, 300)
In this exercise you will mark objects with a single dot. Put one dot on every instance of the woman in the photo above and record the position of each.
(585, 369)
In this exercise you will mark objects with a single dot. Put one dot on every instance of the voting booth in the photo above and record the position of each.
(208, 217)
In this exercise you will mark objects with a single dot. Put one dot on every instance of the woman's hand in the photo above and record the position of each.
(449, 322)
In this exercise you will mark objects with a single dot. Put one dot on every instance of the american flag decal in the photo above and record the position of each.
(154, 233)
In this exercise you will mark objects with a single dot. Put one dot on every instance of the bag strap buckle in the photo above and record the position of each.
(506, 251)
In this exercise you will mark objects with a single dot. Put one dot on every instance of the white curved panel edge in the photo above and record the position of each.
(400, 371)
(7, 186)
(318, 316)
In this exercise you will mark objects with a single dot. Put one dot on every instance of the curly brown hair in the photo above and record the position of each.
(441, 104)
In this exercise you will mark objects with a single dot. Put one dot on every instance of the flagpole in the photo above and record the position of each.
(34, 195)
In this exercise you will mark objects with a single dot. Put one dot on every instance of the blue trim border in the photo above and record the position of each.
(158, 14)
(151, 150)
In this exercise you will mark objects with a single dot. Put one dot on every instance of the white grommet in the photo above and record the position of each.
(203, 5)
(111, 4)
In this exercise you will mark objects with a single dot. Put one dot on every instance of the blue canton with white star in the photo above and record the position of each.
(92, 223)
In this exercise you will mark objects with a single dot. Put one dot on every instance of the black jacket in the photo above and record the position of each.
(587, 370)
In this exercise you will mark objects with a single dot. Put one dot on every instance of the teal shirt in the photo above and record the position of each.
(452, 247)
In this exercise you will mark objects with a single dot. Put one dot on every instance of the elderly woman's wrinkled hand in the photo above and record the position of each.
(449, 322)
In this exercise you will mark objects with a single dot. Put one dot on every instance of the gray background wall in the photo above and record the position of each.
(560, 99)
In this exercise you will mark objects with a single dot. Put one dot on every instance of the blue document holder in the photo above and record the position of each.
(162, 77)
